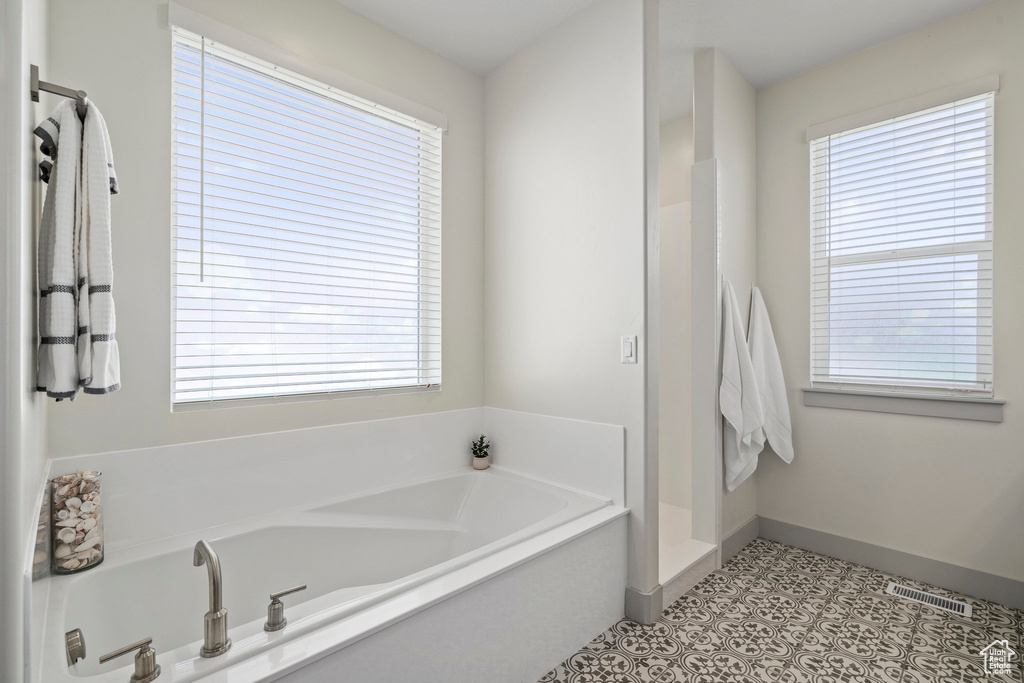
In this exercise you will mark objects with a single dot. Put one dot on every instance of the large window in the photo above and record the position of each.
(901, 253)
(307, 235)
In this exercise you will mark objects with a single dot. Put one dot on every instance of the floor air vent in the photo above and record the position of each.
(937, 601)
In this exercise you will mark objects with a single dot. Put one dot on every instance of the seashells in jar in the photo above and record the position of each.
(77, 514)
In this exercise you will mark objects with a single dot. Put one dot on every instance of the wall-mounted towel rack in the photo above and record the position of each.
(36, 85)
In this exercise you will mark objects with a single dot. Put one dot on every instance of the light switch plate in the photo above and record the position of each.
(629, 349)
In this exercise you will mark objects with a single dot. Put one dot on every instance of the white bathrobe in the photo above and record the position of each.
(76, 309)
(771, 384)
(738, 396)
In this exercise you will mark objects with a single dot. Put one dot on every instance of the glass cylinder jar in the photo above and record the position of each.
(77, 512)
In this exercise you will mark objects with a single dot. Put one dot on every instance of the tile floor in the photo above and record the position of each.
(785, 615)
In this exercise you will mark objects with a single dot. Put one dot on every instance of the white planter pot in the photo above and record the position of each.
(481, 463)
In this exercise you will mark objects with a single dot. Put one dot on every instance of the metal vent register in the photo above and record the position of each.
(936, 601)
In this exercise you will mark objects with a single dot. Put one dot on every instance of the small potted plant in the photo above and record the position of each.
(481, 458)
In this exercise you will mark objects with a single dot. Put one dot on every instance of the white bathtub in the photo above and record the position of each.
(368, 561)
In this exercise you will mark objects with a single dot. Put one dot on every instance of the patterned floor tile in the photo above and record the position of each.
(778, 614)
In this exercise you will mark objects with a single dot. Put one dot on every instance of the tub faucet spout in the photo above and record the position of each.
(215, 623)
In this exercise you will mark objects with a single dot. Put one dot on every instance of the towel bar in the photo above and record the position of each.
(35, 85)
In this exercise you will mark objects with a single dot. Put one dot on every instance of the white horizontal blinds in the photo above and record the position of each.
(307, 234)
(901, 253)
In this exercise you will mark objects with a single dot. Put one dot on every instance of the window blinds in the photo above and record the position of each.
(307, 234)
(901, 253)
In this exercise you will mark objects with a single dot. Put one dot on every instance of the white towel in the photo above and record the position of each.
(61, 134)
(76, 309)
(738, 396)
(99, 366)
(771, 384)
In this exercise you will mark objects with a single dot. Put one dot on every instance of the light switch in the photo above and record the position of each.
(629, 349)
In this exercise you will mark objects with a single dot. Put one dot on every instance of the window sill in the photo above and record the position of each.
(296, 398)
(983, 409)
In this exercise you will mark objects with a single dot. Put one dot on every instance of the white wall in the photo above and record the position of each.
(119, 51)
(564, 235)
(675, 159)
(22, 409)
(951, 490)
(725, 110)
(674, 448)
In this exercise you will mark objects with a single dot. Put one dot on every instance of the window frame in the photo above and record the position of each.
(379, 103)
(826, 390)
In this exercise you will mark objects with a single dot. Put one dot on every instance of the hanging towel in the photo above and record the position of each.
(76, 308)
(61, 133)
(740, 403)
(99, 367)
(771, 384)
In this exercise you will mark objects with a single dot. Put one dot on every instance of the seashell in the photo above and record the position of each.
(79, 536)
(62, 514)
(62, 551)
(73, 502)
(87, 506)
(63, 490)
(88, 544)
(71, 564)
(89, 524)
(66, 535)
(71, 521)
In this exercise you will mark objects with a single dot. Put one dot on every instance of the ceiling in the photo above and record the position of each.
(766, 40)
(478, 34)
(772, 40)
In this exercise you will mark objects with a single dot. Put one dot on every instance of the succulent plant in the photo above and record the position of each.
(480, 447)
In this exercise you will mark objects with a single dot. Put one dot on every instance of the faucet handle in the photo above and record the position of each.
(74, 646)
(275, 611)
(277, 596)
(146, 668)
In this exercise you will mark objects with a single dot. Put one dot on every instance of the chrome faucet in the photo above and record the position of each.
(215, 623)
